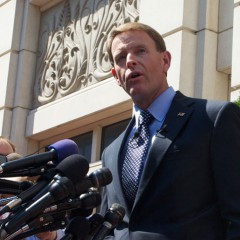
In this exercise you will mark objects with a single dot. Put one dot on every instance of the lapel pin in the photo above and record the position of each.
(181, 114)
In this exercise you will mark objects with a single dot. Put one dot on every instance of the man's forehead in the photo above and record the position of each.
(129, 40)
(130, 34)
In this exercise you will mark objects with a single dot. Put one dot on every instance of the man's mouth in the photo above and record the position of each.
(133, 75)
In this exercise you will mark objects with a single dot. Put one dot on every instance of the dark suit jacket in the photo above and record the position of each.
(190, 186)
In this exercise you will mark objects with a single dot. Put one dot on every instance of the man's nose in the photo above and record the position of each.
(131, 60)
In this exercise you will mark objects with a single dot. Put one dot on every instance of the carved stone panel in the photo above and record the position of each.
(72, 45)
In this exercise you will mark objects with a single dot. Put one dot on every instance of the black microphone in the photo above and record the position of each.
(95, 220)
(85, 204)
(30, 172)
(56, 153)
(112, 218)
(98, 178)
(28, 194)
(85, 201)
(74, 167)
(9, 157)
(5, 183)
(77, 229)
(61, 187)
(4, 201)
(33, 171)
(38, 224)
(3, 159)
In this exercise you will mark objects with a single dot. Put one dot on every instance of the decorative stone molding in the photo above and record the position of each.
(72, 45)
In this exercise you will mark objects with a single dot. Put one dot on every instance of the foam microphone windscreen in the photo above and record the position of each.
(74, 167)
(64, 148)
(78, 228)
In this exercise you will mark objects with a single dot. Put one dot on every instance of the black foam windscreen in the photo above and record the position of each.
(78, 228)
(73, 166)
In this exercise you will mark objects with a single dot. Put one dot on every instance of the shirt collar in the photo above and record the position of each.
(159, 106)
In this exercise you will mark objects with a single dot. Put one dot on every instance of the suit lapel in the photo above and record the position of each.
(116, 168)
(176, 118)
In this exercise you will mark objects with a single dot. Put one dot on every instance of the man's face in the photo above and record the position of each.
(138, 67)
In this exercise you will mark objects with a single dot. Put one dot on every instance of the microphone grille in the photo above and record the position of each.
(101, 177)
(117, 208)
(115, 214)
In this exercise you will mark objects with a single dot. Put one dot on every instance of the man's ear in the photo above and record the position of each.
(167, 60)
(115, 76)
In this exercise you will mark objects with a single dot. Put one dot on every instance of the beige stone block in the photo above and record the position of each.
(174, 46)
(12, 12)
(169, 16)
(224, 55)
(18, 127)
(226, 8)
(210, 83)
(8, 66)
(7, 13)
(182, 46)
(236, 48)
(40, 2)
(25, 79)
(5, 122)
(18, 25)
(78, 109)
(30, 30)
(208, 15)
(45, 4)
(188, 62)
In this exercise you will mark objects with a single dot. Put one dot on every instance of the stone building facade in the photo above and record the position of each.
(55, 78)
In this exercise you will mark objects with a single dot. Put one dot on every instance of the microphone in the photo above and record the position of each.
(3, 159)
(13, 188)
(30, 172)
(61, 187)
(112, 218)
(4, 201)
(43, 181)
(30, 192)
(81, 206)
(98, 178)
(38, 225)
(57, 152)
(95, 220)
(85, 201)
(5, 183)
(11, 156)
(77, 228)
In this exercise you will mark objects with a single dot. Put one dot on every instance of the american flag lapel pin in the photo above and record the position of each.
(181, 114)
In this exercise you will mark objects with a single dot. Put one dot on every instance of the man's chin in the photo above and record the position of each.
(136, 94)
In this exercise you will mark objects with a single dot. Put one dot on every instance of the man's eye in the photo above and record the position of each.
(120, 58)
(141, 50)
